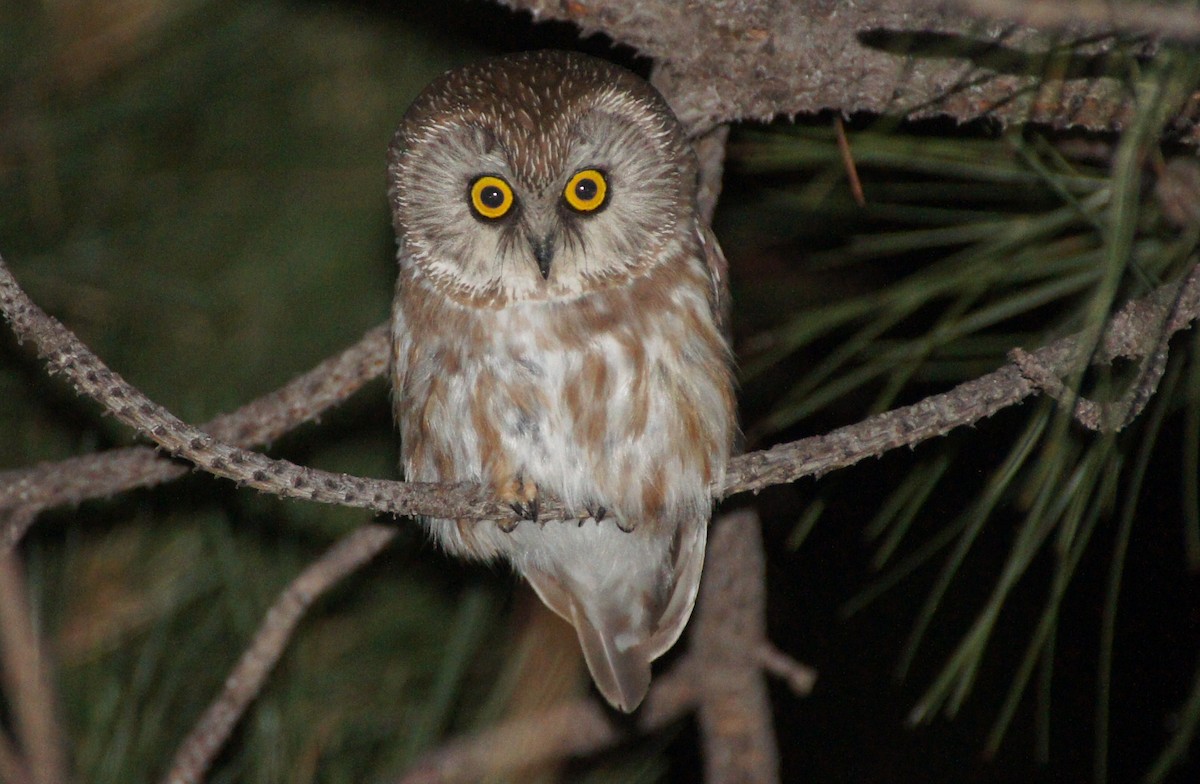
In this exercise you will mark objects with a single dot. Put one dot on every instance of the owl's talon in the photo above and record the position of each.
(625, 525)
(508, 526)
(597, 513)
(521, 495)
(526, 510)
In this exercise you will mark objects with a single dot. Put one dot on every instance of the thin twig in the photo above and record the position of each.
(1135, 331)
(843, 143)
(94, 476)
(1110, 416)
(800, 678)
(27, 676)
(197, 751)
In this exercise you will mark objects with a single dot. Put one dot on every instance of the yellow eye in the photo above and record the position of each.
(587, 191)
(491, 197)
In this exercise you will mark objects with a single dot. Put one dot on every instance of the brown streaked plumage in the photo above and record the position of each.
(565, 339)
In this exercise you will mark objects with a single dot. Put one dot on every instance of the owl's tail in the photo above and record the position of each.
(628, 624)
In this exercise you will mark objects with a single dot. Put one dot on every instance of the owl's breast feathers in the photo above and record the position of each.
(622, 399)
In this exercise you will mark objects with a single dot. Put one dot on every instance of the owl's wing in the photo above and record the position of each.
(687, 564)
(721, 303)
(398, 360)
(718, 275)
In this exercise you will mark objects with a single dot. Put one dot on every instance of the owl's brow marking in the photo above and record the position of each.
(487, 136)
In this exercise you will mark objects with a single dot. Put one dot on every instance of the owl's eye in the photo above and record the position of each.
(491, 197)
(587, 191)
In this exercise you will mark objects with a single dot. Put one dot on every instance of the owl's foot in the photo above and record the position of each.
(527, 510)
(522, 497)
(599, 513)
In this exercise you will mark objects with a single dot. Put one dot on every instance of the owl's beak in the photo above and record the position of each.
(543, 251)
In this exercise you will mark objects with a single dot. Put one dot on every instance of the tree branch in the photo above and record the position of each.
(27, 680)
(65, 353)
(727, 634)
(726, 60)
(95, 476)
(1135, 331)
(197, 751)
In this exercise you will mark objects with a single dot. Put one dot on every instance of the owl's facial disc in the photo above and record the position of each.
(520, 194)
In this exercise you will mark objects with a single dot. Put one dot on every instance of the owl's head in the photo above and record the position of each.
(538, 176)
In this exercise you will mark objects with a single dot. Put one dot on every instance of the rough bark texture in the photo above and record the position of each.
(725, 60)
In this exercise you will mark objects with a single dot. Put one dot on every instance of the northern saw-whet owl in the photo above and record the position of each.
(558, 328)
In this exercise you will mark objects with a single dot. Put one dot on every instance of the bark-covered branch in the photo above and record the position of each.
(25, 672)
(1137, 330)
(196, 753)
(64, 353)
(726, 60)
(259, 422)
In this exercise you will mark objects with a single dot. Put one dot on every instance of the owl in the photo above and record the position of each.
(557, 328)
